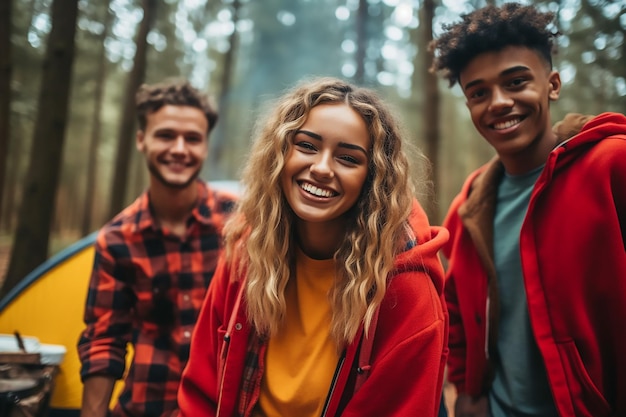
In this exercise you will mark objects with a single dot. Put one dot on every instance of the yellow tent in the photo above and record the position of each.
(48, 304)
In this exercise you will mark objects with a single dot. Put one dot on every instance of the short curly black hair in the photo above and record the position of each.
(490, 29)
(174, 91)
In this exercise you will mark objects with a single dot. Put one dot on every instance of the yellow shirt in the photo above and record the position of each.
(301, 359)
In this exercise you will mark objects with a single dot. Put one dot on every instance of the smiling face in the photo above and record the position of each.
(508, 94)
(327, 164)
(174, 143)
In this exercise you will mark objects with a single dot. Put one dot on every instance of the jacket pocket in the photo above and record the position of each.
(586, 398)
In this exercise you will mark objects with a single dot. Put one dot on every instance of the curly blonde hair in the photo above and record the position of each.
(261, 232)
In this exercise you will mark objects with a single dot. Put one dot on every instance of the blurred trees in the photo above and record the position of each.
(592, 55)
(362, 16)
(30, 244)
(126, 132)
(245, 53)
(430, 127)
(224, 91)
(5, 88)
(104, 15)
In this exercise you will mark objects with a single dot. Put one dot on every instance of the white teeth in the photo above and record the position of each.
(316, 191)
(506, 125)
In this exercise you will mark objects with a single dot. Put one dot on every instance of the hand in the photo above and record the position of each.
(466, 406)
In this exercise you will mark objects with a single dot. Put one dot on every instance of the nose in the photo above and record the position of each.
(322, 166)
(500, 100)
(179, 145)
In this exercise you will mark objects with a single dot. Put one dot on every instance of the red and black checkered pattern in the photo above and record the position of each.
(146, 288)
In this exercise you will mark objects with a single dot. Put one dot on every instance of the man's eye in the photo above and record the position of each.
(477, 94)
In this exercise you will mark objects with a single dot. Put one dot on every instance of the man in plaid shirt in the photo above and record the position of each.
(154, 262)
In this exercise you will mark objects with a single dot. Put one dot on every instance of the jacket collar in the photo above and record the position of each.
(478, 211)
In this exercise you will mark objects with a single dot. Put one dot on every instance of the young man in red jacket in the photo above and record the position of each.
(536, 282)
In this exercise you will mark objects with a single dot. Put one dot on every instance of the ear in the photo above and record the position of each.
(139, 140)
(555, 85)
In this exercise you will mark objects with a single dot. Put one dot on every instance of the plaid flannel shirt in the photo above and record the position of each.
(147, 288)
(253, 372)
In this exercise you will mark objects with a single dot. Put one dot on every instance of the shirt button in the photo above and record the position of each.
(238, 326)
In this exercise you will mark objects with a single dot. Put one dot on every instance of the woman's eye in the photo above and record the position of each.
(350, 159)
(306, 146)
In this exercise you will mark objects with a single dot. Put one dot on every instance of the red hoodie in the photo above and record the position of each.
(404, 370)
(572, 246)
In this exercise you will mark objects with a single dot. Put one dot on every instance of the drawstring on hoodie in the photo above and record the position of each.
(365, 353)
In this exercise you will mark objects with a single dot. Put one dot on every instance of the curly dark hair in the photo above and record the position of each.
(490, 29)
(177, 92)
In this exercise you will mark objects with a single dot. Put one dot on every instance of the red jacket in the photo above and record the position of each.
(404, 370)
(572, 246)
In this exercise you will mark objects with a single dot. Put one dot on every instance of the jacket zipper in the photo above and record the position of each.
(333, 385)
(222, 371)
(226, 346)
(487, 329)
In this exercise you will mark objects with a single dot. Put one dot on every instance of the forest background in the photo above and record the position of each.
(69, 70)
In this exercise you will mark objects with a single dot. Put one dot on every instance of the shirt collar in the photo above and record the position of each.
(201, 212)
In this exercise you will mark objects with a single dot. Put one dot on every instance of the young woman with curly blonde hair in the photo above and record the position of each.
(328, 299)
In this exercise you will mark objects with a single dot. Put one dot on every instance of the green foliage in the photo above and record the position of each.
(279, 42)
(592, 55)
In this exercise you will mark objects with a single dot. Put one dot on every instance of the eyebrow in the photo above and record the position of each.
(517, 68)
(341, 144)
(177, 131)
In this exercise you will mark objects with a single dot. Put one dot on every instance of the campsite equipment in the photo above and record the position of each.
(25, 385)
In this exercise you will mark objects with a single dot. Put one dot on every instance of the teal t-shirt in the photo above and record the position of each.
(520, 387)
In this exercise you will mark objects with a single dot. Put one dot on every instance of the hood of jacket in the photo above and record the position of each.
(597, 128)
(480, 188)
(424, 256)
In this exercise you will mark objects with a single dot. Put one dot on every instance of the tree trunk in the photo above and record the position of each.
(431, 107)
(6, 66)
(127, 125)
(361, 41)
(30, 246)
(96, 126)
(11, 180)
(218, 138)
